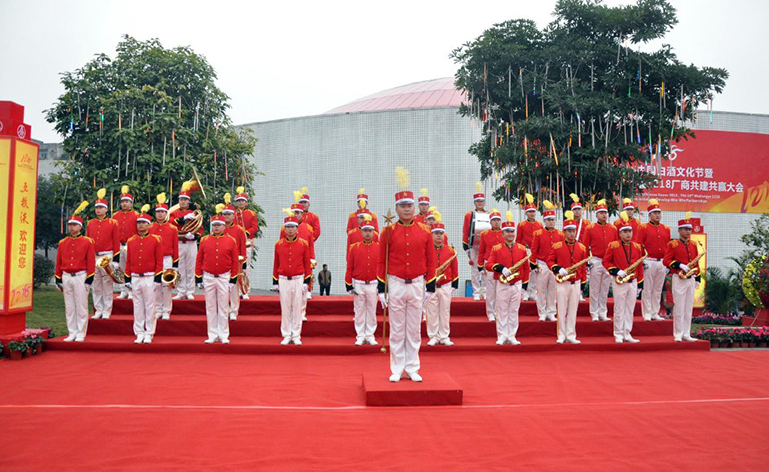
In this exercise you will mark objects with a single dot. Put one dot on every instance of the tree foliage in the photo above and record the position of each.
(577, 106)
(47, 218)
(145, 119)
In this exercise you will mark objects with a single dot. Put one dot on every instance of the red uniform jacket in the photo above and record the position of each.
(677, 252)
(451, 274)
(362, 262)
(304, 231)
(356, 235)
(292, 258)
(525, 233)
(144, 255)
(419, 218)
(170, 239)
(74, 255)
(106, 236)
(411, 254)
(217, 255)
(249, 221)
(466, 228)
(654, 238)
(620, 256)
(126, 221)
(543, 242)
(314, 222)
(598, 236)
(239, 235)
(565, 255)
(175, 218)
(489, 239)
(502, 256)
(634, 223)
(352, 221)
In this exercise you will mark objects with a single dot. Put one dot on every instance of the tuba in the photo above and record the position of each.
(244, 283)
(631, 270)
(117, 275)
(169, 278)
(194, 224)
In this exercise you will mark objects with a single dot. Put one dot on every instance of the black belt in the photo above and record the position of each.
(407, 281)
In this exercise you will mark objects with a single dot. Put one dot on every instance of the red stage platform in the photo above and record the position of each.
(438, 389)
(330, 331)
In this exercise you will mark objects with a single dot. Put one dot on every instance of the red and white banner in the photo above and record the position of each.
(719, 171)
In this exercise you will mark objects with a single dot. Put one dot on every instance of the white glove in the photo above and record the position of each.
(60, 287)
(621, 273)
(87, 287)
(274, 288)
(352, 292)
(129, 286)
(115, 265)
(189, 236)
(383, 300)
(506, 272)
(589, 263)
(563, 272)
(684, 267)
(201, 286)
(189, 216)
(646, 266)
(696, 284)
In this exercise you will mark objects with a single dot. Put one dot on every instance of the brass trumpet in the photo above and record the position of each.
(571, 271)
(514, 270)
(169, 277)
(117, 275)
(694, 264)
(631, 270)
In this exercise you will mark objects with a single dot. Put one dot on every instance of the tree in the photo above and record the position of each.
(48, 217)
(577, 107)
(145, 119)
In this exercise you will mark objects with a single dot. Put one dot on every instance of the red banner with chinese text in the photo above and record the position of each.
(719, 171)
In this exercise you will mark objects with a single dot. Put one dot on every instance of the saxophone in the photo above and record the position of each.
(694, 264)
(439, 272)
(571, 271)
(631, 270)
(514, 270)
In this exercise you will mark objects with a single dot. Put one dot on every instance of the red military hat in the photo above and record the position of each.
(366, 222)
(654, 205)
(75, 219)
(601, 206)
(438, 227)
(495, 215)
(241, 194)
(478, 195)
(508, 225)
(570, 222)
(291, 221)
(686, 222)
(423, 198)
(627, 204)
(404, 196)
(124, 194)
(100, 201)
(575, 204)
(362, 194)
(228, 209)
(217, 220)
(297, 207)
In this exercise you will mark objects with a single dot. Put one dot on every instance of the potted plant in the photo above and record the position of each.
(16, 350)
(763, 337)
(2, 349)
(35, 343)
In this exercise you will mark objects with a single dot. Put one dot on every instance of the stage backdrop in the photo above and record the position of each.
(719, 171)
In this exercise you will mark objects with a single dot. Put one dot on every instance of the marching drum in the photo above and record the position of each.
(478, 225)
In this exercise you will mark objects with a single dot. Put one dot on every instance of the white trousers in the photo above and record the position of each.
(291, 295)
(304, 301)
(531, 292)
(683, 298)
(600, 281)
(490, 286)
(234, 299)
(144, 305)
(546, 305)
(654, 279)
(438, 313)
(508, 302)
(188, 252)
(102, 293)
(404, 303)
(567, 294)
(364, 304)
(216, 289)
(249, 251)
(75, 304)
(163, 299)
(475, 274)
(123, 249)
(624, 304)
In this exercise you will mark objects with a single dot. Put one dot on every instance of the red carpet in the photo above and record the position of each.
(658, 410)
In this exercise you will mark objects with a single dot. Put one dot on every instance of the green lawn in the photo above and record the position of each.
(49, 310)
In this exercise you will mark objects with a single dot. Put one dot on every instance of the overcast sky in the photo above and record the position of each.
(281, 59)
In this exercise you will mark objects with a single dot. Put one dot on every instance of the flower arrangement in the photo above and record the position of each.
(17, 346)
(755, 282)
(715, 319)
(735, 337)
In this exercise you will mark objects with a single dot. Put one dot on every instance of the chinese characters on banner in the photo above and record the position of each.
(21, 240)
(5, 165)
(719, 171)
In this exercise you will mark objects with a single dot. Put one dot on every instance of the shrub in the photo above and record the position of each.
(723, 293)
(44, 270)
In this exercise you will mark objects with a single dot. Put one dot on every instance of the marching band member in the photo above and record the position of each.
(563, 255)
(352, 220)
(582, 223)
(291, 272)
(525, 236)
(503, 256)
(249, 220)
(479, 200)
(216, 269)
(627, 205)
(619, 256)
(169, 238)
(654, 237)
(106, 237)
(356, 235)
(188, 243)
(680, 255)
(597, 238)
(407, 269)
(75, 267)
(126, 220)
(424, 207)
(144, 268)
(438, 307)
(489, 239)
(541, 245)
(304, 231)
(239, 235)
(360, 281)
(311, 218)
